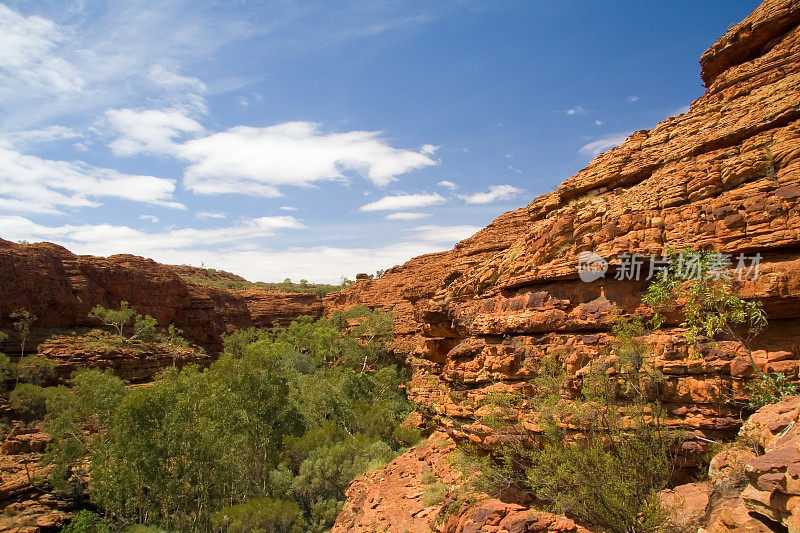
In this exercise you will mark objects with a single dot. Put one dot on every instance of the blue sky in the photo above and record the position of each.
(320, 139)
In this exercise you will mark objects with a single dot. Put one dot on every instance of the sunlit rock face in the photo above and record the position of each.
(725, 175)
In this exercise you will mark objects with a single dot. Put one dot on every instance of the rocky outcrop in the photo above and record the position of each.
(752, 482)
(26, 508)
(724, 175)
(773, 488)
(135, 362)
(60, 288)
(420, 491)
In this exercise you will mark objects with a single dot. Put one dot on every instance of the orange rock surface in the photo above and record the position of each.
(725, 175)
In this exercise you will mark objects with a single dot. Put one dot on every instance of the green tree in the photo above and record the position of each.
(22, 321)
(144, 327)
(696, 286)
(7, 368)
(116, 318)
(276, 419)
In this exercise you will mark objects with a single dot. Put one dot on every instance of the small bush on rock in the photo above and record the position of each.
(29, 402)
(35, 369)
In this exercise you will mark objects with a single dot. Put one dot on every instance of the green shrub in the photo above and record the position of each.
(36, 369)
(601, 453)
(87, 522)
(29, 402)
(261, 514)
(770, 388)
(407, 435)
(7, 371)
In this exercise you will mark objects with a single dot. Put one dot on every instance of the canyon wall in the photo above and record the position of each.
(724, 176)
(60, 288)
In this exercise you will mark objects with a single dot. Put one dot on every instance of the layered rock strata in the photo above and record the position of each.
(725, 176)
(60, 288)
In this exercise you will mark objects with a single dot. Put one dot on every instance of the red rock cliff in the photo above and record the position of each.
(725, 175)
(60, 288)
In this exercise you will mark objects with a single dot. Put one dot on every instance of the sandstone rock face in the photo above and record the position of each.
(26, 509)
(137, 363)
(724, 175)
(753, 482)
(397, 498)
(773, 489)
(60, 288)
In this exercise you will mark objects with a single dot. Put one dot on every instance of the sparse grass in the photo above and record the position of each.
(434, 495)
(320, 289)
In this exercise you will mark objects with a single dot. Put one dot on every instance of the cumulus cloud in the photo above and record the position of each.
(448, 184)
(151, 131)
(496, 193)
(35, 185)
(403, 201)
(404, 215)
(149, 218)
(577, 110)
(599, 146)
(250, 160)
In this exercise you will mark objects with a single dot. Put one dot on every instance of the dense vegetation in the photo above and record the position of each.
(265, 439)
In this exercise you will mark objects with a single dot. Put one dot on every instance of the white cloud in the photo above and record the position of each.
(26, 55)
(48, 134)
(287, 208)
(249, 160)
(496, 193)
(514, 169)
(632, 99)
(598, 122)
(149, 218)
(105, 239)
(210, 214)
(445, 233)
(35, 185)
(449, 184)
(164, 77)
(403, 201)
(150, 131)
(403, 215)
(680, 111)
(321, 263)
(428, 149)
(599, 146)
(577, 110)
